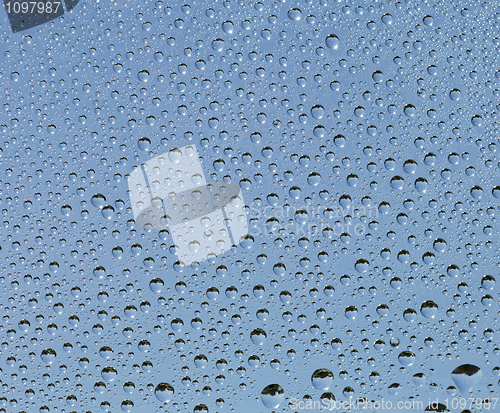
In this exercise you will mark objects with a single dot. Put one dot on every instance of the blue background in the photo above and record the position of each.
(241, 81)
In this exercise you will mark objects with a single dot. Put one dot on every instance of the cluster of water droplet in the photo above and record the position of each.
(365, 141)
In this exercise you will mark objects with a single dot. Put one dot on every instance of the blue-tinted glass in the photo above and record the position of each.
(249, 207)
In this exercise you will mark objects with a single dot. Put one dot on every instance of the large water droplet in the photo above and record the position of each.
(317, 111)
(429, 309)
(272, 396)
(466, 377)
(218, 45)
(455, 94)
(295, 14)
(143, 76)
(164, 392)
(48, 356)
(258, 336)
(407, 358)
(332, 41)
(322, 379)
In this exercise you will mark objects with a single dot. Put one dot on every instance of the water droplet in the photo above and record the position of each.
(439, 245)
(455, 94)
(387, 19)
(377, 76)
(332, 41)
(295, 14)
(66, 210)
(144, 144)
(99, 201)
(410, 111)
(322, 379)
(228, 27)
(109, 373)
(164, 392)
(362, 265)
(466, 377)
(429, 309)
(258, 336)
(48, 356)
(477, 121)
(351, 312)
(143, 76)
(407, 358)
(428, 21)
(218, 45)
(272, 396)
(397, 182)
(317, 111)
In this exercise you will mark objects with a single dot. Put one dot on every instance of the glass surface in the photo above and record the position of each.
(245, 207)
